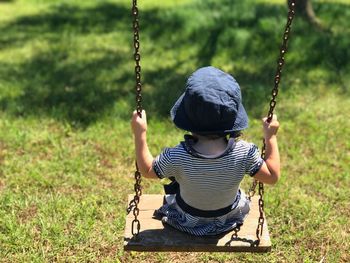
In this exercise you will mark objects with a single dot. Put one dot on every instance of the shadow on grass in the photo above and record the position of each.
(64, 18)
(242, 34)
(65, 90)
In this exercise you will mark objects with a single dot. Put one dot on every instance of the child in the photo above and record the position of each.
(209, 164)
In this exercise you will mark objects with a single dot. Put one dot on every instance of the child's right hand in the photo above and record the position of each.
(270, 129)
(139, 125)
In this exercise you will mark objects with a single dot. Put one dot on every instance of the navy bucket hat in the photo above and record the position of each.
(211, 104)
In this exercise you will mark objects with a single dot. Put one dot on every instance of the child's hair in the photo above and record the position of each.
(234, 135)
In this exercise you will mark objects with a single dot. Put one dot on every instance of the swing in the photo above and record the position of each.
(153, 235)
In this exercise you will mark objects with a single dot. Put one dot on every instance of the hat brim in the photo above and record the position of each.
(179, 117)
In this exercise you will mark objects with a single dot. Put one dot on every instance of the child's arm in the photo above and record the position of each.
(144, 157)
(269, 172)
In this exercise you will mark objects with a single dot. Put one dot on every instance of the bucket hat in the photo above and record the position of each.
(211, 104)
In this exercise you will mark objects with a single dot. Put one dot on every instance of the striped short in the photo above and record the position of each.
(173, 215)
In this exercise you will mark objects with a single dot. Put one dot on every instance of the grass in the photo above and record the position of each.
(66, 152)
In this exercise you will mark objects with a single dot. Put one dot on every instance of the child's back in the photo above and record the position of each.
(208, 182)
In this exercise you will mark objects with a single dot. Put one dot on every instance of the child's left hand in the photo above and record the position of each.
(139, 125)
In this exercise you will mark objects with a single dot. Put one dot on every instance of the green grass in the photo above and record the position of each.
(66, 96)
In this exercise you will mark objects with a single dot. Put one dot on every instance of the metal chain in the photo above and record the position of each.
(137, 57)
(133, 205)
(235, 237)
(274, 93)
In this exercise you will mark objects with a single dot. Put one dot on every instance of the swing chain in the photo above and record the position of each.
(133, 205)
(277, 79)
(235, 237)
(281, 59)
(137, 57)
(252, 188)
(274, 93)
(261, 219)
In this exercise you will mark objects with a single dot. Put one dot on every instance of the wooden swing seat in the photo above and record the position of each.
(154, 236)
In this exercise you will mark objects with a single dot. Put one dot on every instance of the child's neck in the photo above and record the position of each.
(210, 147)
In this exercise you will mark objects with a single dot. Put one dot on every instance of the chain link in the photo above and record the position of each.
(137, 57)
(133, 205)
(235, 237)
(274, 93)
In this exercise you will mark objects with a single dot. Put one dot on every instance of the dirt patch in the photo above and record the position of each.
(28, 213)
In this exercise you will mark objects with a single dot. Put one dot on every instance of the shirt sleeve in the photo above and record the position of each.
(254, 160)
(163, 164)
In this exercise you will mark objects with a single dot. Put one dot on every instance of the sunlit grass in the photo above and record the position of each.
(347, 2)
(67, 93)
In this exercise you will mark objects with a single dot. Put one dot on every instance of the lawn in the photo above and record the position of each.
(66, 97)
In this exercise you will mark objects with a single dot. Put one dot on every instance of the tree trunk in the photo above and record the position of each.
(305, 9)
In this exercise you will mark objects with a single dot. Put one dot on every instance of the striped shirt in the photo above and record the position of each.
(208, 183)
